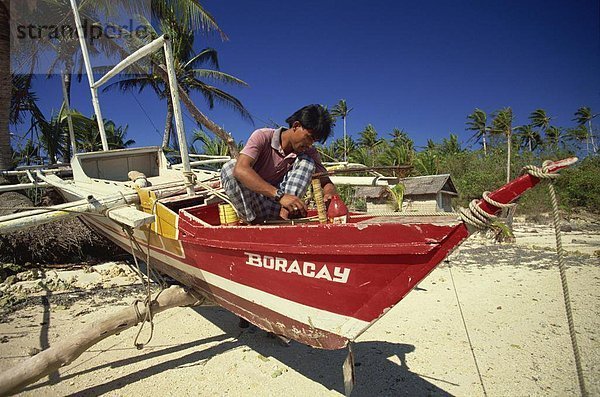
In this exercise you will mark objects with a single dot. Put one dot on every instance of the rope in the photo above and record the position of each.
(190, 178)
(216, 192)
(544, 175)
(477, 217)
(148, 301)
(462, 316)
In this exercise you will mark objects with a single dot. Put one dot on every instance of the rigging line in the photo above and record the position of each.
(467, 331)
(146, 113)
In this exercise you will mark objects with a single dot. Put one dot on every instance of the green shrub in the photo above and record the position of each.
(579, 185)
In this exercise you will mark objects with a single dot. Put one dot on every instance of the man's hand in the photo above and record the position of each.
(292, 205)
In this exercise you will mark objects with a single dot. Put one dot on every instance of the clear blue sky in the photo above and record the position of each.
(420, 66)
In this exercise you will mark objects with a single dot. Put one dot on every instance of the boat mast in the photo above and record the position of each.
(90, 75)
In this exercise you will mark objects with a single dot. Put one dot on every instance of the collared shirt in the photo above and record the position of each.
(271, 162)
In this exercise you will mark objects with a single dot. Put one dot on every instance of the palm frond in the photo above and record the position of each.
(224, 98)
(207, 55)
(189, 13)
(219, 76)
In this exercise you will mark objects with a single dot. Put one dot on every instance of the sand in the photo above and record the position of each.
(510, 296)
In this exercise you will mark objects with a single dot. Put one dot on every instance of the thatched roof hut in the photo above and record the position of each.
(430, 193)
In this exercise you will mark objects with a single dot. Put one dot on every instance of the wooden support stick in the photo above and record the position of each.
(67, 350)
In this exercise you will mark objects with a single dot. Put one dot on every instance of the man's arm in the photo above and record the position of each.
(244, 173)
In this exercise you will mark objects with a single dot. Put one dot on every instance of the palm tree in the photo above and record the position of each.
(502, 124)
(478, 123)
(210, 146)
(426, 163)
(540, 119)
(554, 136)
(88, 134)
(338, 147)
(450, 146)
(368, 137)
(51, 132)
(397, 196)
(528, 136)
(400, 137)
(341, 110)
(190, 14)
(117, 136)
(369, 141)
(397, 155)
(27, 153)
(190, 75)
(431, 146)
(362, 155)
(583, 116)
(577, 134)
(23, 99)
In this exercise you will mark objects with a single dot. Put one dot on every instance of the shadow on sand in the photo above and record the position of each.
(376, 373)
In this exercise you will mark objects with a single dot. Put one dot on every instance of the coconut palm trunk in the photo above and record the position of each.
(200, 117)
(66, 76)
(591, 134)
(168, 121)
(509, 143)
(5, 86)
(345, 143)
(484, 145)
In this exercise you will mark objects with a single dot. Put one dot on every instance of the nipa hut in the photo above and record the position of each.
(430, 193)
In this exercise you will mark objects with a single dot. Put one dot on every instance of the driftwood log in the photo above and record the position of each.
(66, 351)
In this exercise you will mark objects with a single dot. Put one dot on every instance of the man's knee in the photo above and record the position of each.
(227, 170)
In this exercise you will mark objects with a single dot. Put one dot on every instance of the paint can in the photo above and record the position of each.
(227, 215)
(337, 211)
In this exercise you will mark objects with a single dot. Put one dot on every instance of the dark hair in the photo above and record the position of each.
(315, 118)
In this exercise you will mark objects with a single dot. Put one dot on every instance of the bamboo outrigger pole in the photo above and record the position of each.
(183, 148)
(90, 74)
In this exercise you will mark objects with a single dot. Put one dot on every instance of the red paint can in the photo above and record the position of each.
(337, 211)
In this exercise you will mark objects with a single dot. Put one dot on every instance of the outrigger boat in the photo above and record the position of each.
(321, 284)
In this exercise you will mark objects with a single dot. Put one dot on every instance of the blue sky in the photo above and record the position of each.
(419, 66)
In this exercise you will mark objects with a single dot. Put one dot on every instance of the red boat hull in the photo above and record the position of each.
(322, 285)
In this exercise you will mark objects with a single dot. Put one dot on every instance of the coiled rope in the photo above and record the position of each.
(543, 174)
(477, 217)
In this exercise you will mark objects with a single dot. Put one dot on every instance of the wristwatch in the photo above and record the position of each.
(278, 195)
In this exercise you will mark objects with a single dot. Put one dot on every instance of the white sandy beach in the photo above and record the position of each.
(510, 296)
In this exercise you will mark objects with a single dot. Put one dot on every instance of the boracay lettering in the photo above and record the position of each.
(306, 269)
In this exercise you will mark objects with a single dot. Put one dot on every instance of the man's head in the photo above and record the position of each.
(314, 118)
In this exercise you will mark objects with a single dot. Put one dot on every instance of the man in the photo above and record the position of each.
(273, 171)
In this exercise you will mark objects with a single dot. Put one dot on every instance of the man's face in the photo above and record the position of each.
(302, 138)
